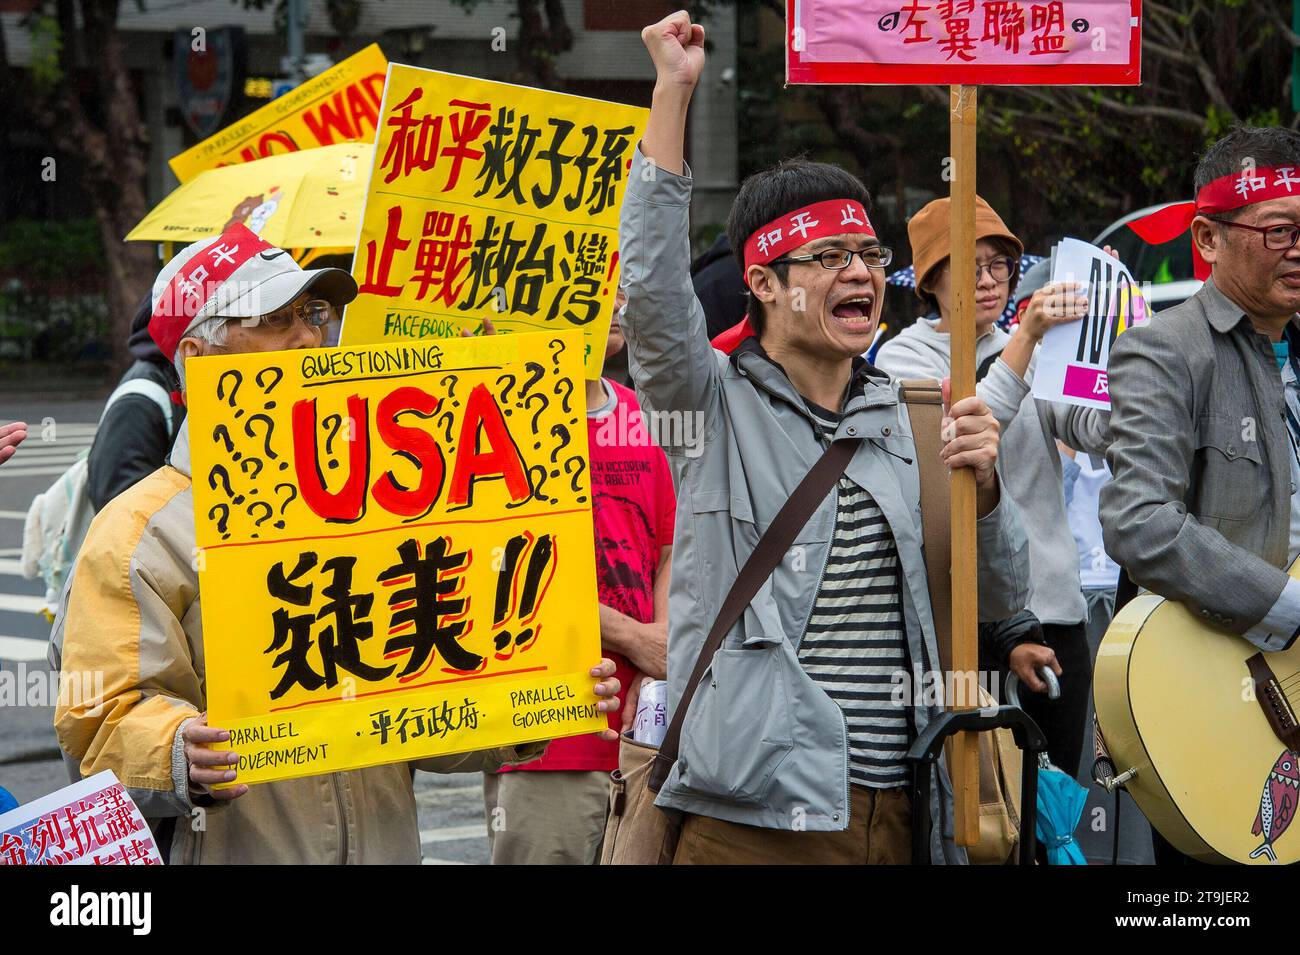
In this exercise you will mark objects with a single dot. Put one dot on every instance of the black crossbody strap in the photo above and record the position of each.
(768, 553)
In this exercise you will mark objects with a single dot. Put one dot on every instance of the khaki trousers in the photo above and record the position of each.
(879, 833)
(547, 817)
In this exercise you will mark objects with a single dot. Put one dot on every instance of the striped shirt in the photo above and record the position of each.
(855, 643)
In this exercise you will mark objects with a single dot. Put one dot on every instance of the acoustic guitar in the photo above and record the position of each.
(1207, 727)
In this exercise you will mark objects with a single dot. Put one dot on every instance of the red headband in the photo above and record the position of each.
(1222, 195)
(817, 221)
(197, 280)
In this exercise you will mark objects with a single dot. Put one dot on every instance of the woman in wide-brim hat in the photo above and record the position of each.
(1029, 463)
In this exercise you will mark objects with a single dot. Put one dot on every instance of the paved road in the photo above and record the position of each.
(452, 830)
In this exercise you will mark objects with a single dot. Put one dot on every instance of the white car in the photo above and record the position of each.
(1164, 271)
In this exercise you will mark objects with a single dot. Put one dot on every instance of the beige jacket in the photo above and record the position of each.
(131, 613)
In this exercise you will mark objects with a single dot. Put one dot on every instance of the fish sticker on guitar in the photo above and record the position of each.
(1277, 804)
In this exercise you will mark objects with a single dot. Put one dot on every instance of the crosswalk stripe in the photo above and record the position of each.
(14, 515)
(432, 795)
(35, 471)
(453, 833)
(10, 567)
(65, 443)
(61, 436)
(441, 862)
(22, 649)
(32, 445)
(21, 603)
(61, 463)
(11, 552)
(46, 455)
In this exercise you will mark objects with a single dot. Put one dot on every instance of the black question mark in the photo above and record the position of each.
(239, 380)
(573, 482)
(266, 440)
(267, 389)
(451, 389)
(537, 488)
(220, 470)
(536, 372)
(448, 417)
(266, 517)
(293, 494)
(561, 432)
(564, 402)
(223, 519)
(222, 433)
(555, 355)
(329, 442)
(539, 491)
(538, 413)
(247, 462)
(504, 397)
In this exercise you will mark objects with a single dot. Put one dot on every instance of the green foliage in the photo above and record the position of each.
(1265, 117)
(1061, 159)
(47, 43)
(1217, 122)
(43, 251)
(52, 305)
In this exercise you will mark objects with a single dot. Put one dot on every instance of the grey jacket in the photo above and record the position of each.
(762, 744)
(1199, 508)
(1027, 457)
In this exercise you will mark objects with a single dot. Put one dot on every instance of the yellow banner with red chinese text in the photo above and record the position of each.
(489, 200)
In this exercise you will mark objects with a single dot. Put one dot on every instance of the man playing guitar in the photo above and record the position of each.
(1205, 413)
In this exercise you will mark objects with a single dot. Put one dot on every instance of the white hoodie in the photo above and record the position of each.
(1028, 460)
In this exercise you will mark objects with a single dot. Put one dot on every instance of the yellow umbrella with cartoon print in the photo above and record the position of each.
(312, 198)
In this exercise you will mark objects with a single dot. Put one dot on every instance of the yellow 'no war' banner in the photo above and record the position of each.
(340, 105)
(396, 552)
(489, 200)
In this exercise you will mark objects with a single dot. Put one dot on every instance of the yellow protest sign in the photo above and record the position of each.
(489, 200)
(395, 546)
(340, 105)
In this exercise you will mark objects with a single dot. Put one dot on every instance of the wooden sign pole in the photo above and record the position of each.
(965, 604)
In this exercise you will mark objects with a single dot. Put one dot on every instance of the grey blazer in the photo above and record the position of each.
(1199, 510)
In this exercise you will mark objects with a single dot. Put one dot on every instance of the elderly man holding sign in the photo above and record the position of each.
(791, 749)
(132, 612)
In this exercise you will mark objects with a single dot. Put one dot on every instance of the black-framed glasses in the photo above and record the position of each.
(877, 257)
(1278, 238)
(313, 313)
(999, 269)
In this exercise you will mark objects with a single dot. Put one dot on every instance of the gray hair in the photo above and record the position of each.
(210, 330)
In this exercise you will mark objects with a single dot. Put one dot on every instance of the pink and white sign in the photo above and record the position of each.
(93, 822)
(995, 42)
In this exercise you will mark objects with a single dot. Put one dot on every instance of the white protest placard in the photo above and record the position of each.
(93, 822)
(1073, 358)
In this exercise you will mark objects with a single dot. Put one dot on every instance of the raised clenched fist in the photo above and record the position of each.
(676, 46)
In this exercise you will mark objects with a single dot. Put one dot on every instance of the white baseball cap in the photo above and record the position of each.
(236, 275)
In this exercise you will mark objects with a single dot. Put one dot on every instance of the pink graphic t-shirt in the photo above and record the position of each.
(633, 508)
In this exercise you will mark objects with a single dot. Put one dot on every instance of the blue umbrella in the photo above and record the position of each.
(906, 278)
(1060, 806)
(1060, 798)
